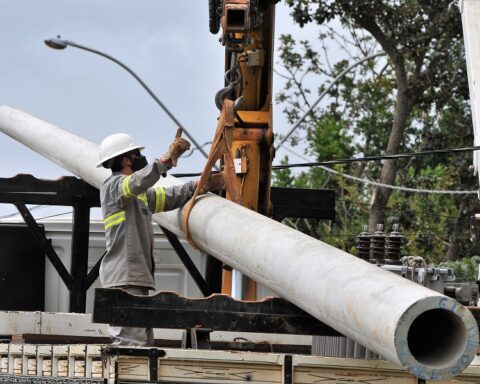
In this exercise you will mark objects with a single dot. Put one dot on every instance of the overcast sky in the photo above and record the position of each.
(167, 43)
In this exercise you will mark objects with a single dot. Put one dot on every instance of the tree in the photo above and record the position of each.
(417, 36)
(366, 113)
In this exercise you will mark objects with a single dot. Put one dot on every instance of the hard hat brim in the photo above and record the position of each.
(115, 154)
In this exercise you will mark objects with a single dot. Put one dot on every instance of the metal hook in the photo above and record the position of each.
(224, 93)
(233, 77)
(238, 103)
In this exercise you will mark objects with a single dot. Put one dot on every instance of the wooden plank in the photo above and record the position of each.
(179, 371)
(4, 358)
(15, 359)
(60, 339)
(84, 364)
(9, 379)
(94, 366)
(3, 364)
(133, 368)
(44, 360)
(29, 363)
(334, 376)
(60, 361)
(76, 360)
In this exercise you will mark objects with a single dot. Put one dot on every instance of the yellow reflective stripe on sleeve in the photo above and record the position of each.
(114, 219)
(126, 188)
(143, 197)
(159, 199)
(114, 216)
(116, 222)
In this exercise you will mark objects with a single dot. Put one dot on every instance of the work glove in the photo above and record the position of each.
(178, 147)
(214, 183)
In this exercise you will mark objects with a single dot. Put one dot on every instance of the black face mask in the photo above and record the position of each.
(138, 163)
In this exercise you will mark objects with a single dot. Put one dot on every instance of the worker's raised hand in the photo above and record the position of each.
(178, 147)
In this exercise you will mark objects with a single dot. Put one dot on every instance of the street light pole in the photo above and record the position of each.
(58, 43)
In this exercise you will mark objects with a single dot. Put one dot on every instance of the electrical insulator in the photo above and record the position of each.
(394, 245)
(363, 244)
(377, 246)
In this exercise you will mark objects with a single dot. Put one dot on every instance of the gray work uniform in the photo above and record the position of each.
(127, 206)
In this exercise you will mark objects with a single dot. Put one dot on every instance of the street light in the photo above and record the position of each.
(58, 43)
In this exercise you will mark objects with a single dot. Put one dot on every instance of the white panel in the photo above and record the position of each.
(170, 279)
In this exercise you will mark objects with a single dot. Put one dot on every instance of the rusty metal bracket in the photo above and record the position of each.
(235, 17)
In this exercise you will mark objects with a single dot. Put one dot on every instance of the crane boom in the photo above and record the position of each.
(248, 34)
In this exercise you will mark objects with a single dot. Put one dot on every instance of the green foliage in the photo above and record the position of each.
(283, 177)
(466, 270)
(329, 139)
(424, 47)
(426, 220)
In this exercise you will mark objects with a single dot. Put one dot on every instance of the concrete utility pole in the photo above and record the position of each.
(429, 334)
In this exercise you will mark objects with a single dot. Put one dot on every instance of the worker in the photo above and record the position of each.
(128, 198)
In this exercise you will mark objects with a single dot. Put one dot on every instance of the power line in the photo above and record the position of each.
(400, 188)
(296, 154)
(397, 188)
(392, 209)
(58, 214)
(35, 207)
(357, 159)
(190, 153)
(194, 174)
(376, 158)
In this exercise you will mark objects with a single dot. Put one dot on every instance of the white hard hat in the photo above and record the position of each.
(115, 145)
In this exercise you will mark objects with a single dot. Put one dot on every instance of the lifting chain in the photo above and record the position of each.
(233, 78)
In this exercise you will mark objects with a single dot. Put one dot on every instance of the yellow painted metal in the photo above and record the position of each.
(253, 88)
(227, 281)
(256, 118)
(249, 151)
(251, 137)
